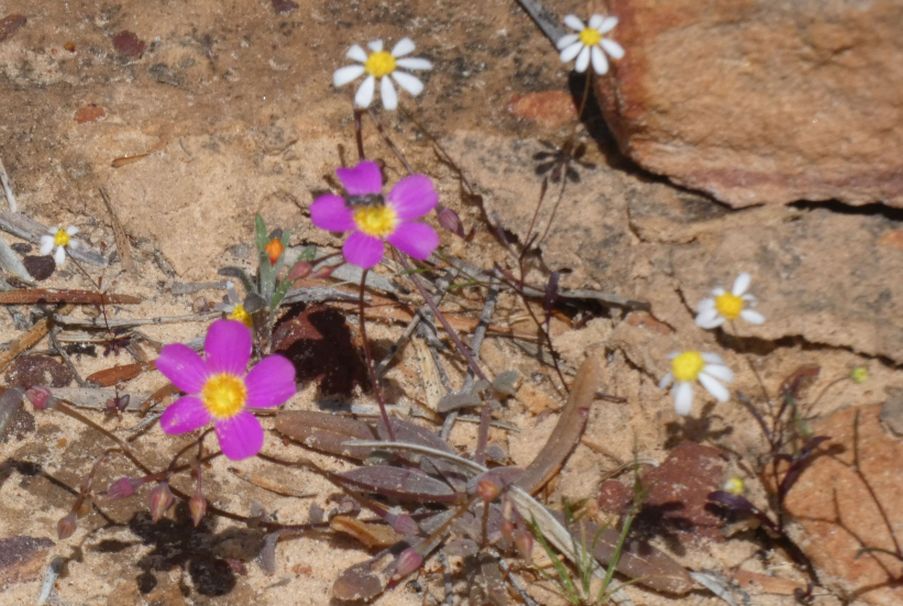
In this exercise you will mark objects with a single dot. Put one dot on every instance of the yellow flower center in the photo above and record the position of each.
(729, 305)
(376, 221)
(224, 395)
(61, 237)
(380, 63)
(687, 366)
(590, 37)
(241, 314)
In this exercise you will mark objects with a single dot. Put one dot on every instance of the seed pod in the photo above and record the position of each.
(159, 500)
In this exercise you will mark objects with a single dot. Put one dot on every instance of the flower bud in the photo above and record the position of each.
(123, 488)
(197, 505)
(324, 272)
(523, 542)
(40, 397)
(450, 220)
(859, 375)
(159, 500)
(300, 270)
(407, 562)
(66, 526)
(734, 485)
(488, 488)
(274, 249)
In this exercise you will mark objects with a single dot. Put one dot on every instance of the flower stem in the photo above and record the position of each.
(371, 370)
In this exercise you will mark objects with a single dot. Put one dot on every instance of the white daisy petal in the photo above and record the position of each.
(415, 63)
(344, 75)
(718, 391)
(596, 21)
(600, 63)
(59, 255)
(375, 45)
(46, 245)
(608, 24)
(717, 292)
(710, 358)
(566, 41)
(356, 53)
(704, 304)
(741, 284)
(709, 319)
(574, 22)
(720, 372)
(411, 84)
(614, 50)
(364, 95)
(751, 299)
(582, 60)
(683, 398)
(388, 94)
(71, 230)
(666, 381)
(752, 316)
(570, 52)
(403, 47)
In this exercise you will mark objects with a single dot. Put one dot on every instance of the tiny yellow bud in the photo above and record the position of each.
(735, 485)
(859, 375)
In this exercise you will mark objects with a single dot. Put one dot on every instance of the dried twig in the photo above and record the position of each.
(122, 240)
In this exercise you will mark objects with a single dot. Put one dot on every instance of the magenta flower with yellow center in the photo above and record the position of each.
(220, 390)
(374, 219)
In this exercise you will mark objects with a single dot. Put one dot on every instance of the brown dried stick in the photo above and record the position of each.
(122, 240)
(567, 432)
(29, 339)
(31, 296)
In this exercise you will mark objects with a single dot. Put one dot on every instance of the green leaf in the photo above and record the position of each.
(260, 231)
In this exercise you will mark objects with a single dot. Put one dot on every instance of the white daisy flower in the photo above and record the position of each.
(61, 239)
(690, 366)
(723, 306)
(590, 43)
(382, 66)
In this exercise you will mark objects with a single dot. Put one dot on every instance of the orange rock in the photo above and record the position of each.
(550, 108)
(892, 239)
(89, 113)
(839, 516)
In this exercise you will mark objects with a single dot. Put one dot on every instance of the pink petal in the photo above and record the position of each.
(417, 240)
(362, 179)
(228, 347)
(330, 212)
(183, 367)
(413, 197)
(240, 436)
(363, 250)
(271, 382)
(185, 414)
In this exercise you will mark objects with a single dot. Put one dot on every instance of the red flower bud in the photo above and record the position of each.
(124, 487)
(450, 220)
(488, 488)
(523, 542)
(407, 562)
(66, 526)
(197, 505)
(159, 500)
(300, 270)
(40, 397)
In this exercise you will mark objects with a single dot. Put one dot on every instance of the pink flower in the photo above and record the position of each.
(373, 219)
(220, 390)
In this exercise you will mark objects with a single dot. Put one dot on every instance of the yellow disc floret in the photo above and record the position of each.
(590, 36)
(687, 366)
(734, 485)
(376, 221)
(729, 305)
(241, 314)
(61, 237)
(380, 63)
(224, 395)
